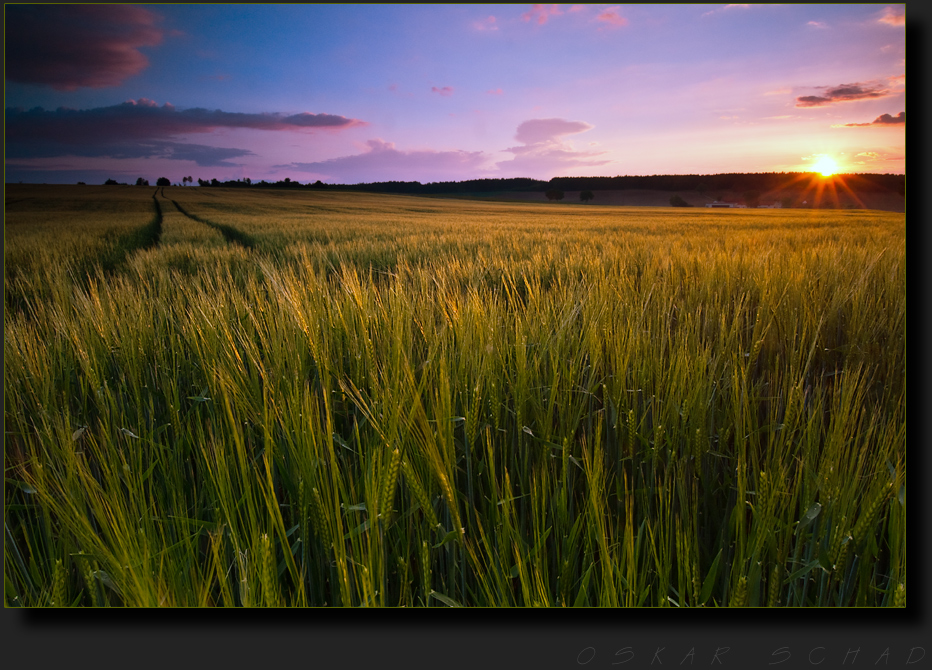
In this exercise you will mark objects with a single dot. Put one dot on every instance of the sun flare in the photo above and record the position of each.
(825, 166)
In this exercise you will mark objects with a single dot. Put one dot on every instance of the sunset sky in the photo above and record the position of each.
(361, 93)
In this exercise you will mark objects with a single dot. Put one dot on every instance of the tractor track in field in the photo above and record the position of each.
(230, 234)
(140, 239)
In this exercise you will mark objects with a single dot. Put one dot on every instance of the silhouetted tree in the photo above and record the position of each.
(786, 202)
(554, 194)
(677, 201)
(201, 182)
(110, 182)
(81, 183)
(142, 182)
(752, 198)
(586, 196)
(163, 181)
(214, 182)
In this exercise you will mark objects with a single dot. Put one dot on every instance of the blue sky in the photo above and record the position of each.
(358, 93)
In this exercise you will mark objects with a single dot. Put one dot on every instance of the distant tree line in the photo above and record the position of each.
(712, 184)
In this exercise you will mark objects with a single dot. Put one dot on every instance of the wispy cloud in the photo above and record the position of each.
(383, 162)
(541, 13)
(882, 120)
(726, 8)
(817, 24)
(444, 91)
(612, 17)
(68, 47)
(893, 17)
(842, 93)
(871, 157)
(488, 23)
(494, 91)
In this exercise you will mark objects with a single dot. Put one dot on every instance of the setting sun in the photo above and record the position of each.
(825, 166)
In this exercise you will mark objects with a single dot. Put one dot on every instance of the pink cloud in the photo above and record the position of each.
(72, 46)
(383, 162)
(538, 131)
(445, 91)
(488, 23)
(893, 17)
(543, 153)
(612, 17)
(541, 13)
(494, 91)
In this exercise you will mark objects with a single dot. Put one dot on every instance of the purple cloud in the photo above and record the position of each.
(842, 93)
(445, 91)
(72, 46)
(383, 162)
(544, 154)
(548, 130)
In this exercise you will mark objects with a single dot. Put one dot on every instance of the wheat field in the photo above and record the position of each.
(232, 397)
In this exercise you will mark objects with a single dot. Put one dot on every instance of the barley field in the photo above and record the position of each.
(231, 397)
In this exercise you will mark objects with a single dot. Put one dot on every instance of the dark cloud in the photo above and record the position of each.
(143, 118)
(882, 120)
(72, 46)
(383, 162)
(141, 129)
(842, 93)
(201, 154)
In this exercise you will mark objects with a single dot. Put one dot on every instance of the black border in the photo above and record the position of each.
(492, 638)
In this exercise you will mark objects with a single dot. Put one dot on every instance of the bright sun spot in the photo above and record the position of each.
(826, 166)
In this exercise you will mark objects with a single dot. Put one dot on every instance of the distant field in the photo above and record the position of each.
(220, 397)
(884, 201)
